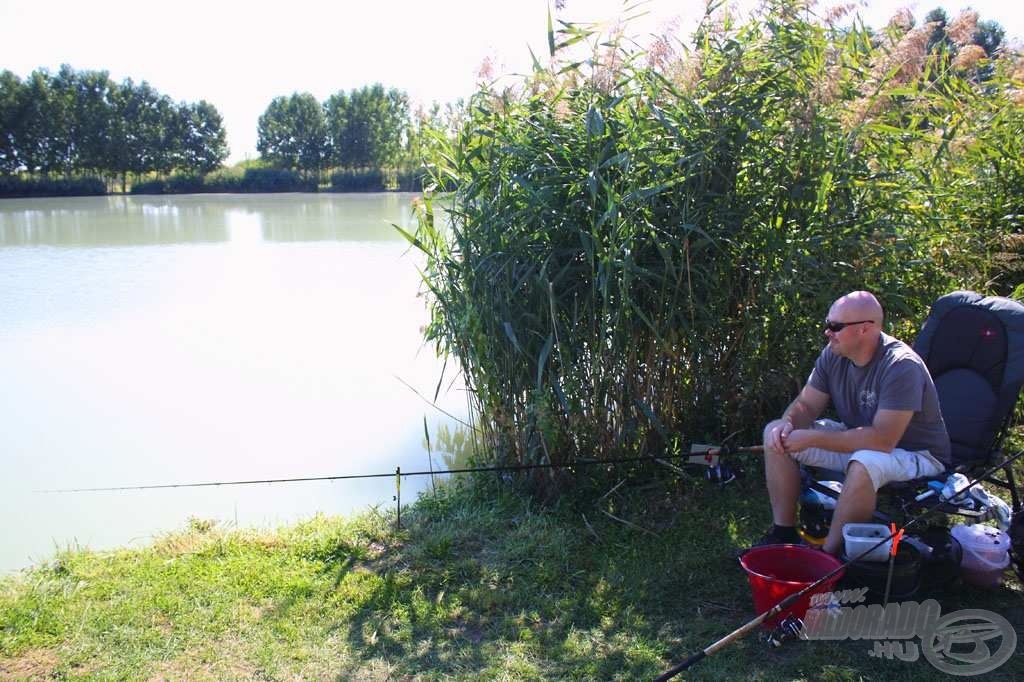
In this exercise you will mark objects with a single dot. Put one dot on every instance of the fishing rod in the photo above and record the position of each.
(699, 454)
(788, 601)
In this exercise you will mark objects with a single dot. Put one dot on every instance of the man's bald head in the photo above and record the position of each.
(859, 317)
(857, 305)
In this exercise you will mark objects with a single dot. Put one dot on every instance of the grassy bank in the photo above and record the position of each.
(478, 584)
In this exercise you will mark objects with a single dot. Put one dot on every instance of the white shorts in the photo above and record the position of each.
(883, 467)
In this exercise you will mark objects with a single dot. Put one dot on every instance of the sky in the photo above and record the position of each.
(240, 55)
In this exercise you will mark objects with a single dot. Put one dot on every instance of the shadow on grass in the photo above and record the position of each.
(487, 585)
(479, 586)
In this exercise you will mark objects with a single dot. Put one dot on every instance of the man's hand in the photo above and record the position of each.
(800, 439)
(882, 435)
(778, 434)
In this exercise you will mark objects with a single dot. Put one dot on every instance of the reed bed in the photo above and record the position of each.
(636, 248)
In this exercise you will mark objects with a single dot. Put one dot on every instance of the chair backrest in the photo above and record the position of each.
(974, 348)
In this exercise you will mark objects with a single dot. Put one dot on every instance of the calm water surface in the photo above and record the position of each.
(204, 338)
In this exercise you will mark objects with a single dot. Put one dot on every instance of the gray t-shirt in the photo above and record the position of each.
(895, 379)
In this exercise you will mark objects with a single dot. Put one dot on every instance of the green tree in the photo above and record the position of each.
(292, 133)
(204, 146)
(368, 126)
(67, 115)
(163, 136)
(93, 115)
(36, 140)
(62, 124)
(11, 121)
(337, 113)
(81, 121)
(136, 130)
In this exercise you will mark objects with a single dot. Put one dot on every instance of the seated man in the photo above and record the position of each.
(891, 427)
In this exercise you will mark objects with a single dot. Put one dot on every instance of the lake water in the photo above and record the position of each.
(207, 338)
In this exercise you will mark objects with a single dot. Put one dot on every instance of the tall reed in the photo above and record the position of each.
(638, 248)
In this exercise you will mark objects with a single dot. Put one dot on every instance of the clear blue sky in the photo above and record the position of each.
(240, 55)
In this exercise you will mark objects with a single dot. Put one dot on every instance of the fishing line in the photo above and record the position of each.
(717, 452)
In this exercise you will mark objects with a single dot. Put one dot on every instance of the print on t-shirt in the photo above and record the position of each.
(868, 399)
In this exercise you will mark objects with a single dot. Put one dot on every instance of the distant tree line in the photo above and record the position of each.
(76, 132)
(80, 123)
(367, 136)
(363, 128)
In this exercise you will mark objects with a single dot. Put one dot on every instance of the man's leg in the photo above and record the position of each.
(856, 505)
(782, 474)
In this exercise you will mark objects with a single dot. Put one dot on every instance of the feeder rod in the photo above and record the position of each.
(896, 537)
(888, 581)
(744, 629)
(739, 632)
(750, 625)
(700, 449)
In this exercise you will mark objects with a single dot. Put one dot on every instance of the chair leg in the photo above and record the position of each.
(1012, 485)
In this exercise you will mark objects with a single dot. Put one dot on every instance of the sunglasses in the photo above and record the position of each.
(836, 327)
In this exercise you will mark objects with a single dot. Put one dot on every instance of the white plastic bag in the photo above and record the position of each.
(955, 491)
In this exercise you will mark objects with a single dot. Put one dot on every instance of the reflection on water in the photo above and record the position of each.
(107, 221)
(452, 446)
(457, 447)
(142, 220)
(361, 217)
(156, 340)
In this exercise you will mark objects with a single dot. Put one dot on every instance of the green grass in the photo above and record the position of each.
(478, 584)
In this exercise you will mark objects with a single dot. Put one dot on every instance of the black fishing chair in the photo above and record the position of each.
(974, 348)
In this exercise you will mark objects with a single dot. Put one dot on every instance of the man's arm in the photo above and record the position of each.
(807, 407)
(883, 435)
(801, 413)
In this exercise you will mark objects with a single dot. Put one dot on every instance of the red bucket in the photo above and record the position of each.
(777, 571)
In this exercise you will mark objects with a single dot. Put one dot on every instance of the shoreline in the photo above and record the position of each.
(211, 193)
(479, 583)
